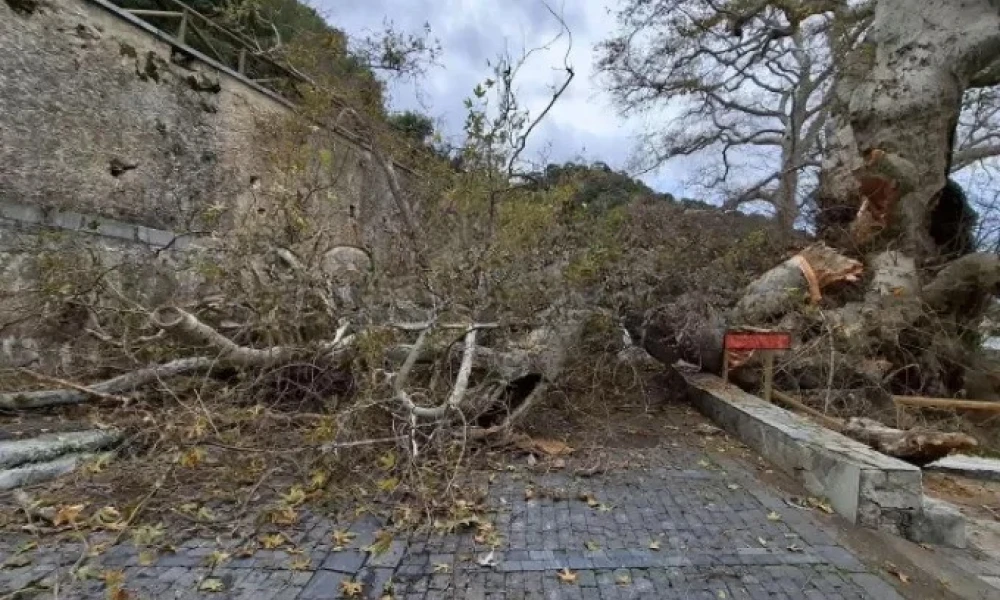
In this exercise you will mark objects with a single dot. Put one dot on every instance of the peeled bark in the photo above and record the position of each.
(180, 322)
(508, 381)
(227, 354)
(799, 279)
(894, 111)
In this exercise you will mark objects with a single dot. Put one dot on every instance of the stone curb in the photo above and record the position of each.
(864, 486)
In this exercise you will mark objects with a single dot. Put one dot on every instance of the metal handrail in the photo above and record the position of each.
(190, 20)
(116, 7)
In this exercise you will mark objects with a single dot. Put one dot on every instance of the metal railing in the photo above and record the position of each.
(190, 28)
(188, 31)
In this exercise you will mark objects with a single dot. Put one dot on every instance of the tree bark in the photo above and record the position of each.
(916, 446)
(894, 111)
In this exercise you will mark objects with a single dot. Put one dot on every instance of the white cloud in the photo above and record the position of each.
(583, 124)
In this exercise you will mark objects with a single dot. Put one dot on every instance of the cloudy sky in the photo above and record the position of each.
(583, 125)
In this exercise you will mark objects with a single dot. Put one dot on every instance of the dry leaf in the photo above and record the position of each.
(118, 593)
(442, 568)
(113, 579)
(147, 535)
(216, 558)
(654, 545)
(68, 514)
(86, 572)
(110, 518)
(721, 595)
(566, 576)
(604, 507)
(894, 570)
(270, 542)
(388, 484)
(383, 539)
(146, 558)
(318, 479)
(192, 458)
(302, 563)
(623, 580)
(706, 429)
(294, 496)
(733, 486)
(98, 465)
(592, 545)
(211, 584)
(342, 539)
(820, 504)
(284, 516)
(773, 516)
(589, 499)
(545, 446)
(350, 589)
(387, 461)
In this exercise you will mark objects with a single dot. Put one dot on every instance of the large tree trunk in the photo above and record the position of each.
(894, 225)
(894, 112)
(884, 194)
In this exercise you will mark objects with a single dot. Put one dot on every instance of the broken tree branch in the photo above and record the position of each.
(74, 386)
(116, 385)
(180, 321)
(461, 382)
(916, 446)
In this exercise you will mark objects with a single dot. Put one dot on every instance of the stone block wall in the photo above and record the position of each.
(130, 144)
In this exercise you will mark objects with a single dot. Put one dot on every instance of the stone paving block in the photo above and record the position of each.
(707, 533)
(375, 581)
(391, 557)
(875, 587)
(345, 561)
(324, 585)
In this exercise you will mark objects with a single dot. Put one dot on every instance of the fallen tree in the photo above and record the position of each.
(890, 301)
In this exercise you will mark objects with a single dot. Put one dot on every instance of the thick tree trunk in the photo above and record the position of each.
(894, 112)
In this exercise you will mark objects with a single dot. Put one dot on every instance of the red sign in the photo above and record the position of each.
(758, 340)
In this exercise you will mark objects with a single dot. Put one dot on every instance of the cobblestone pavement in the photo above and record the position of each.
(683, 528)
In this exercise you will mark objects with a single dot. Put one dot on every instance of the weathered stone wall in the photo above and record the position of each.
(99, 116)
(118, 145)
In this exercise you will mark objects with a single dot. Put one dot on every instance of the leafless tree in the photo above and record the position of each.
(752, 83)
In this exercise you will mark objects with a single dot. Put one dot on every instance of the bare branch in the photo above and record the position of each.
(461, 381)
